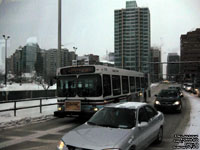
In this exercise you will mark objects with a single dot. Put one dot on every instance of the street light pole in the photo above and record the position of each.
(58, 63)
(6, 38)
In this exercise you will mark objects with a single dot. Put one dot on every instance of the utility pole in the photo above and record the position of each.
(58, 60)
(6, 38)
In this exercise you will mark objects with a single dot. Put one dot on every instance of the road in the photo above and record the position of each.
(46, 134)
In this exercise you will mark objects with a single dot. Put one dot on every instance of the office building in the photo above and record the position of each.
(173, 71)
(156, 72)
(190, 51)
(29, 57)
(50, 60)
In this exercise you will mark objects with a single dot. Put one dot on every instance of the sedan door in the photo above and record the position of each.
(154, 124)
(143, 128)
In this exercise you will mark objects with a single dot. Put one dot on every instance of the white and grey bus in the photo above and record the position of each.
(85, 89)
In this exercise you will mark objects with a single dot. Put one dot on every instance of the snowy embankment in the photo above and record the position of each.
(193, 127)
(191, 135)
(154, 84)
(7, 119)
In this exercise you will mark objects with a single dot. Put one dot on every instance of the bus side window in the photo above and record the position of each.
(146, 82)
(132, 84)
(106, 85)
(138, 83)
(116, 85)
(125, 86)
(143, 83)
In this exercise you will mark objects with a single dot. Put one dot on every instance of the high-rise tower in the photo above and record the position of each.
(132, 37)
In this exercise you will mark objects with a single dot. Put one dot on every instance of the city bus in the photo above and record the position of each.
(83, 90)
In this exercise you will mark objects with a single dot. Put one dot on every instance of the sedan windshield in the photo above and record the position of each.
(114, 118)
(168, 93)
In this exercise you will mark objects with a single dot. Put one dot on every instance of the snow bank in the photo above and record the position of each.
(154, 84)
(193, 127)
(25, 116)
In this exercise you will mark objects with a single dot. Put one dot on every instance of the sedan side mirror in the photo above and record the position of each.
(142, 124)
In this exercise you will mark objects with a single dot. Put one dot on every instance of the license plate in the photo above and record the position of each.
(73, 106)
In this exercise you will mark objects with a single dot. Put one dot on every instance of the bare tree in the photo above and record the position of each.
(46, 83)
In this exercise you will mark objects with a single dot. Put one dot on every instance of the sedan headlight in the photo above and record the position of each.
(177, 103)
(157, 102)
(61, 145)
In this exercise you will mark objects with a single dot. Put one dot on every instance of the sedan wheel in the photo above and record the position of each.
(159, 136)
(133, 147)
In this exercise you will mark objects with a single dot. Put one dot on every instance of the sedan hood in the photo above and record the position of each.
(167, 99)
(94, 137)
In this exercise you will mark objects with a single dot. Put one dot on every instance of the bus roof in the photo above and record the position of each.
(87, 69)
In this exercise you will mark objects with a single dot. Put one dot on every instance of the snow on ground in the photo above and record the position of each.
(193, 127)
(154, 84)
(7, 119)
(24, 86)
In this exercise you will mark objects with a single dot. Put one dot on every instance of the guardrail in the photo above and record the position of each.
(15, 108)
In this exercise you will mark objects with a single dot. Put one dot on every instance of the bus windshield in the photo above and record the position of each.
(83, 86)
(67, 86)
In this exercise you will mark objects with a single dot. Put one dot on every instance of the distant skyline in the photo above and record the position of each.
(89, 24)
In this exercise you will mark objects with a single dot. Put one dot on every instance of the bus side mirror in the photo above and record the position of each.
(156, 95)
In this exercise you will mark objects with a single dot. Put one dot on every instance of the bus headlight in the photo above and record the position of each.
(59, 108)
(140, 94)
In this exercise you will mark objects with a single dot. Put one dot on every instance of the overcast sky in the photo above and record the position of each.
(89, 24)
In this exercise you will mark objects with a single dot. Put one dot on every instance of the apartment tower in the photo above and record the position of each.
(132, 37)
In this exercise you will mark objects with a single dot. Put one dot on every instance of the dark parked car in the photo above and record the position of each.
(168, 100)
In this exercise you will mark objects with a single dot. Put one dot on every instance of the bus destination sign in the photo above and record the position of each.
(77, 70)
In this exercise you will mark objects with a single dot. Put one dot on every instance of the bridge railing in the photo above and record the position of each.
(15, 108)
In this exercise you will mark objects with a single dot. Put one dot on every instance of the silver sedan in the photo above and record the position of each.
(121, 126)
